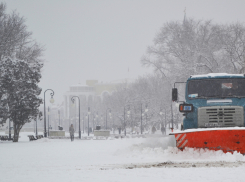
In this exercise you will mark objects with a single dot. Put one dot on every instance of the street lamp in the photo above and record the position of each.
(83, 123)
(51, 101)
(94, 120)
(73, 100)
(142, 114)
(106, 116)
(74, 119)
(59, 116)
(146, 110)
(88, 119)
(48, 120)
(101, 120)
(161, 113)
(110, 114)
(86, 116)
(39, 116)
(161, 116)
(97, 116)
(112, 121)
(128, 112)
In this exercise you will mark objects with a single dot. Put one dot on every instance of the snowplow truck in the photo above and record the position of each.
(213, 112)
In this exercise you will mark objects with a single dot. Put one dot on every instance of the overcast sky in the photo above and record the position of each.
(101, 39)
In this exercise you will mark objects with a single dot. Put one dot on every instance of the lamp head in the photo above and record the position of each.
(51, 100)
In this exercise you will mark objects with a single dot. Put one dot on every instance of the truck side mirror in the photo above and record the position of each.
(174, 94)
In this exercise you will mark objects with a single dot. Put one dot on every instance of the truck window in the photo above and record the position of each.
(216, 88)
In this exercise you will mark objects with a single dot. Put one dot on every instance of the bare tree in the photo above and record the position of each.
(233, 41)
(16, 41)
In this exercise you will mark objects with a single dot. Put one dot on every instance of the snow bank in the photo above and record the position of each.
(155, 149)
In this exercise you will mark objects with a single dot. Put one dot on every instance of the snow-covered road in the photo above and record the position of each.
(60, 160)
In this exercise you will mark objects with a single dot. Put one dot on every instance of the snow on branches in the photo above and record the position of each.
(19, 91)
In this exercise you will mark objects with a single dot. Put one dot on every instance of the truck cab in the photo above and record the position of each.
(213, 100)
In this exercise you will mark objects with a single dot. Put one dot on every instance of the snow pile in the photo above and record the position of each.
(191, 154)
(156, 149)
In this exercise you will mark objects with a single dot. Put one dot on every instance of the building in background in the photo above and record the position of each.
(91, 95)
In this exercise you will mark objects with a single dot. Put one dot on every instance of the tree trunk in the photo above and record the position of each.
(16, 133)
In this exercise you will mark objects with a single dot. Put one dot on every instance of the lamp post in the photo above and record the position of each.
(83, 123)
(39, 116)
(161, 119)
(97, 118)
(48, 120)
(128, 112)
(110, 114)
(86, 116)
(51, 101)
(172, 118)
(142, 114)
(106, 116)
(95, 115)
(73, 100)
(165, 119)
(161, 116)
(88, 119)
(101, 119)
(59, 116)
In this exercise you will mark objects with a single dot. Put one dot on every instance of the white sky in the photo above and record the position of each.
(100, 39)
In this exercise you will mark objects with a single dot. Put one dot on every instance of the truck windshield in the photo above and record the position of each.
(209, 88)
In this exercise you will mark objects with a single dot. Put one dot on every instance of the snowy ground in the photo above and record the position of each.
(133, 159)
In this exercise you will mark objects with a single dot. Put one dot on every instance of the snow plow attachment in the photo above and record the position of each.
(226, 139)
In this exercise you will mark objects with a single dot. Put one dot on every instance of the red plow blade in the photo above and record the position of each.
(228, 140)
